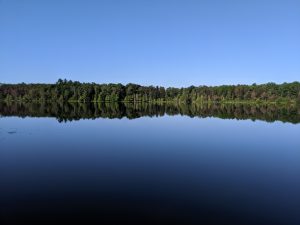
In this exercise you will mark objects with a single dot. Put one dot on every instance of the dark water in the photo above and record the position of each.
(147, 164)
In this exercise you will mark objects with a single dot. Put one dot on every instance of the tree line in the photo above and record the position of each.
(74, 91)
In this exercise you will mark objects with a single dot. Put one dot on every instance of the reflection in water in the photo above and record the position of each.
(76, 111)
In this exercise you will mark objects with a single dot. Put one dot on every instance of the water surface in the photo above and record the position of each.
(87, 164)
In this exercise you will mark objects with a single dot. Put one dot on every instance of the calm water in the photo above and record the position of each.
(169, 165)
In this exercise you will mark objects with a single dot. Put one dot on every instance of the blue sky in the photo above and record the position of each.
(157, 42)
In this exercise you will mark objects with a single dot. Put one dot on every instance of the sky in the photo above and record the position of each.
(150, 42)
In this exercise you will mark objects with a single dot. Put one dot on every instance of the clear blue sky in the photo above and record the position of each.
(150, 42)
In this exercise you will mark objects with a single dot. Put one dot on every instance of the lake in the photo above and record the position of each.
(149, 164)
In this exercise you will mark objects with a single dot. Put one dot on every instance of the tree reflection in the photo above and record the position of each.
(75, 111)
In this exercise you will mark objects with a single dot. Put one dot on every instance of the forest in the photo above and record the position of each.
(74, 91)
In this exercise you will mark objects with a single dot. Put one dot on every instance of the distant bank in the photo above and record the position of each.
(70, 91)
